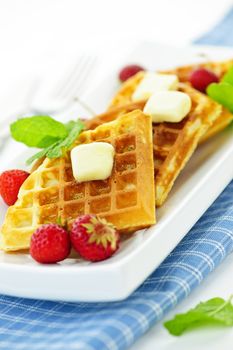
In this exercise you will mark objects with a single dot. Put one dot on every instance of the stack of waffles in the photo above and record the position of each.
(174, 143)
(149, 157)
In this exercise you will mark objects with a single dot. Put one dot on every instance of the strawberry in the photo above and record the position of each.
(94, 238)
(10, 183)
(50, 243)
(201, 78)
(128, 71)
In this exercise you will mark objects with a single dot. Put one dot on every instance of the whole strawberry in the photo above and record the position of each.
(10, 183)
(93, 238)
(50, 243)
(201, 78)
(128, 71)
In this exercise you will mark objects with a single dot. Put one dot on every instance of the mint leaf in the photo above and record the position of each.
(228, 77)
(38, 131)
(58, 149)
(213, 311)
(222, 93)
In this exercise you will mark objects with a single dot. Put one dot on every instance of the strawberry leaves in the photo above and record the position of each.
(101, 232)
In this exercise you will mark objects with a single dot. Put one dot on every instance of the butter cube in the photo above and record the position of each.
(92, 161)
(168, 106)
(153, 82)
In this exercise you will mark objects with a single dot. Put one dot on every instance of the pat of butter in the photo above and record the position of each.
(92, 161)
(153, 82)
(168, 106)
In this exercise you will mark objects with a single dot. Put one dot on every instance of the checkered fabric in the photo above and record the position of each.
(32, 324)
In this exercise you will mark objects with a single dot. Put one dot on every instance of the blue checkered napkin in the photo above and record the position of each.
(32, 324)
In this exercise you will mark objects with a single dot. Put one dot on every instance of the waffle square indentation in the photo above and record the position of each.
(73, 210)
(74, 191)
(165, 137)
(49, 178)
(48, 196)
(127, 181)
(101, 205)
(126, 143)
(125, 162)
(100, 187)
(126, 199)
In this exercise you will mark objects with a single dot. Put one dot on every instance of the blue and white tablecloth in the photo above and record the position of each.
(32, 324)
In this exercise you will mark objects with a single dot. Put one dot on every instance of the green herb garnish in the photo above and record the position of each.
(222, 92)
(228, 77)
(38, 131)
(215, 311)
(44, 132)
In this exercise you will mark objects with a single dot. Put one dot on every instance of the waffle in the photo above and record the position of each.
(123, 96)
(173, 143)
(219, 68)
(126, 199)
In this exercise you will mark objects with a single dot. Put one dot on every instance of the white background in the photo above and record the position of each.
(38, 34)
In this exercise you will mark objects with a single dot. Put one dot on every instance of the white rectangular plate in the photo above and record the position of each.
(207, 174)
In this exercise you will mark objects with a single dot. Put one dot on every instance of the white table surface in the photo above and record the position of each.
(38, 34)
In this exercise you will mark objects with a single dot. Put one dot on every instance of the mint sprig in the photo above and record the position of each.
(216, 311)
(44, 132)
(58, 149)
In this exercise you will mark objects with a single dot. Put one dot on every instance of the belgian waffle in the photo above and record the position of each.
(219, 68)
(126, 199)
(173, 143)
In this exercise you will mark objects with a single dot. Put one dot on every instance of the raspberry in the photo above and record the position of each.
(10, 183)
(128, 71)
(50, 243)
(201, 78)
(93, 238)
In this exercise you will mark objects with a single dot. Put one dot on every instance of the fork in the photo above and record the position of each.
(67, 92)
(69, 89)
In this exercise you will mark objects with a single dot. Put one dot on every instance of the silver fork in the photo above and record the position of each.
(67, 92)
(69, 89)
